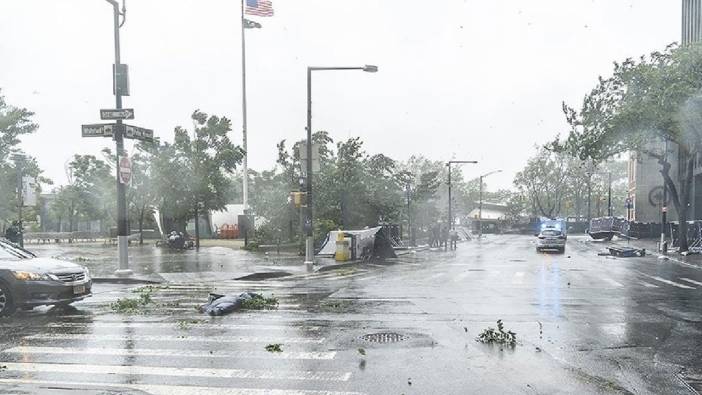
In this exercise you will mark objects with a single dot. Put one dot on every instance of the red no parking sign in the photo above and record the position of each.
(125, 170)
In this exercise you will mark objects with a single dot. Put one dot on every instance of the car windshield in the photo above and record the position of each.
(9, 251)
(551, 232)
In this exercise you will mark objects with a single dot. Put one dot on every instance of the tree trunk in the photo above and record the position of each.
(141, 225)
(197, 228)
(680, 200)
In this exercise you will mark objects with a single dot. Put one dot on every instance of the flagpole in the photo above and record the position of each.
(243, 108)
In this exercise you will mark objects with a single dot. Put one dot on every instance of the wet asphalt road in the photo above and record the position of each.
(584, 324)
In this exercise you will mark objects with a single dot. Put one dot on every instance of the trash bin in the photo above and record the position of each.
(343, 250)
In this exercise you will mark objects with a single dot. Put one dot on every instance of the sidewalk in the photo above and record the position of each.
(651, 247)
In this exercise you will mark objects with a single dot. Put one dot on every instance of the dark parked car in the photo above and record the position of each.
(27, 281)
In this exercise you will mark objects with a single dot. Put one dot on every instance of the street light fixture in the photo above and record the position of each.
(480, 203)
(448, 164)
(309, 241)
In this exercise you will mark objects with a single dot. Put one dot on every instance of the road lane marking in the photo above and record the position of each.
(162, 338)
(612, 282)
(648, 285)
(270, 374)
(148, 352)
(691, 281)
(159, 389)
(668, 282)
(462, 276)
(187, 323)
(518, 278)
(437, 275)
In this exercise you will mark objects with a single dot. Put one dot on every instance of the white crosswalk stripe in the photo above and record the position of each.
(269, 374)
(172, 346)
(155, 389)
(186, 323)
(163, 338)
(691, 281)
(326, 355)
(673, 283)
(518, 278)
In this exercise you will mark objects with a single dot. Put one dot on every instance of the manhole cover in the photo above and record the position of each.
(384, 337)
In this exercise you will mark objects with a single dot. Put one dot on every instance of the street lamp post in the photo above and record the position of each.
(448, 164)
(122, 235)
(480, 203)
(309, 241)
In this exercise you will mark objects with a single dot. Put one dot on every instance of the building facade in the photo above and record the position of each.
(645, 179)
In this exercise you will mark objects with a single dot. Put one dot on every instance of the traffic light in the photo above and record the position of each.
(299, 199)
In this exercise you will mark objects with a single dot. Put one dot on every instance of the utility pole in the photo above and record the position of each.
(118, 68)
(664, 205)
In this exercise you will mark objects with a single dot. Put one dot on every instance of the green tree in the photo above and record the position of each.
(655, 98)
(207, 161)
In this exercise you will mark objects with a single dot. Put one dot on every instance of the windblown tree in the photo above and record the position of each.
(15, 122)
(207, 160)
(655, 98)
(544, 182)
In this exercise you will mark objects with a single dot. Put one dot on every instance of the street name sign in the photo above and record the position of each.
(115, 114)
(135, 132)
(98, 130)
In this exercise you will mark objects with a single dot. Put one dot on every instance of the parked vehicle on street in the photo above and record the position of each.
(553, 236)
(27, 281)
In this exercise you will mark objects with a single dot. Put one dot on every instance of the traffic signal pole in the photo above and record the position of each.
(122, 233)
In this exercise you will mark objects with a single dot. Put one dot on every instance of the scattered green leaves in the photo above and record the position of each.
(259, 302)
(499, 336)
(275, 347)
(133, 305)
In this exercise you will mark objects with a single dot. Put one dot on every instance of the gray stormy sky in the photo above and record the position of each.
(459, 79)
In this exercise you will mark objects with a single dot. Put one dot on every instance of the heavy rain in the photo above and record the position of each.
(346, 198)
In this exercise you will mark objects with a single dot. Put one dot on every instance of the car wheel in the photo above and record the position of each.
(7, 307)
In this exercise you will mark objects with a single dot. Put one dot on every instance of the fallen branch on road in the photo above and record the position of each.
(499, 336)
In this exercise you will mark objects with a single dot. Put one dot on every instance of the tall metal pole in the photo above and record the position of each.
(309, 242)
(450, 216)
(20, 202)
(122, 234)
(480, 210)
(243, 109)
(409, 216)
(309, 231)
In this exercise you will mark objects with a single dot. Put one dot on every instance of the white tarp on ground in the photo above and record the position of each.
(365, 240)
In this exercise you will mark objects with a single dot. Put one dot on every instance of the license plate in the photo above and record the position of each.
(79, 289)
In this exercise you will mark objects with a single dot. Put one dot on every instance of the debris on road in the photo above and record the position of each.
(276, 347)
(626, 252)
(225, 304)
(362, 351)
(133, 305)
(499, 336)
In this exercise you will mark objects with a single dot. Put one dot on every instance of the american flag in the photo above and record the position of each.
(259, 7)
